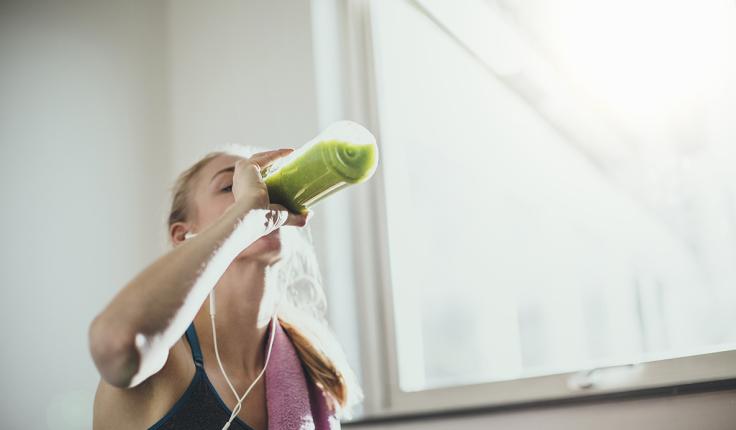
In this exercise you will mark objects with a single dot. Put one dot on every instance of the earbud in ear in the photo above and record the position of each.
(189, 235)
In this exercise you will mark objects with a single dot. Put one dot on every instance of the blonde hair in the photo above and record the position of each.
(296, 285)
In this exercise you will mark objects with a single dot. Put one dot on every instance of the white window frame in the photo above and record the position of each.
(373, 295)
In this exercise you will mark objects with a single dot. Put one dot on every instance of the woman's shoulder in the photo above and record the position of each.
(143, 405)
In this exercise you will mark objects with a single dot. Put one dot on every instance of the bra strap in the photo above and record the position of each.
(194, 343)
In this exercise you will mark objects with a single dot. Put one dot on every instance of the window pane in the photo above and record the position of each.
(523, 241)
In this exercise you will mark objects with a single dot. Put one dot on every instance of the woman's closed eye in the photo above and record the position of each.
(229, 188)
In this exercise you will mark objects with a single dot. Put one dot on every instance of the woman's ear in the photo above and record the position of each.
(177, 232)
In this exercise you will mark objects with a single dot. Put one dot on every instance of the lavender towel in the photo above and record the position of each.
(294, 402)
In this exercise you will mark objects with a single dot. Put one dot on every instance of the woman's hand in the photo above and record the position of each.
(248, 185)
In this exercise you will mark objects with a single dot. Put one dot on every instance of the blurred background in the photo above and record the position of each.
(549, 240)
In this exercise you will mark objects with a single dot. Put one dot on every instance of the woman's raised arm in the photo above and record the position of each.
(131, 338)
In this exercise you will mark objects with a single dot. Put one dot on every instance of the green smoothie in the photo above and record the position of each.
(322, 169)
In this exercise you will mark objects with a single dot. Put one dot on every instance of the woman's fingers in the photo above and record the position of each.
(297, 220)
(248, 184)
(258, 162)
(266, 158)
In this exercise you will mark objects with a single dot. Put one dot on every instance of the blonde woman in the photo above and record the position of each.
(169, 360)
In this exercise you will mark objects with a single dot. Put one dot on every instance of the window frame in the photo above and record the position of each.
(374, 297)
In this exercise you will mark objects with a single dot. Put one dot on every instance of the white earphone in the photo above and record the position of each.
(238, 406)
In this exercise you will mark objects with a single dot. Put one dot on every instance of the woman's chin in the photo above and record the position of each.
(267, 249)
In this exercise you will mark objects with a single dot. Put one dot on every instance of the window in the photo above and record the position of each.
(560, 195)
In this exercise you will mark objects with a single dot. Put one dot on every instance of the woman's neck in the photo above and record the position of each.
(240, 335)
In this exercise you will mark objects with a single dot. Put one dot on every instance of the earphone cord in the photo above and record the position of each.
(238, 406)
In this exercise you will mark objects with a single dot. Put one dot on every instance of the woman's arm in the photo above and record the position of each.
(131, 338)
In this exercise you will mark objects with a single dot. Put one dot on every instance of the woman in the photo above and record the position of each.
(166, 363)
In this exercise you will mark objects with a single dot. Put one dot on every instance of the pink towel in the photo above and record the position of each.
(294, 402)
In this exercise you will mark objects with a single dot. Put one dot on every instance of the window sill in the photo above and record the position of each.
(638, 394)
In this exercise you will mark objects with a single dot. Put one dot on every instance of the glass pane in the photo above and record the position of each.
(559, 196)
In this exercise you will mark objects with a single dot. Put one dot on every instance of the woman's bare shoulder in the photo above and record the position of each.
(143, 405)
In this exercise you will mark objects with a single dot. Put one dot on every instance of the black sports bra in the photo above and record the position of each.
(200, 407)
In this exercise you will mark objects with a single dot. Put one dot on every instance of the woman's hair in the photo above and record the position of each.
(294, 285)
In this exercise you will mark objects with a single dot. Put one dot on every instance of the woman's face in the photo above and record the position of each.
(212, 195)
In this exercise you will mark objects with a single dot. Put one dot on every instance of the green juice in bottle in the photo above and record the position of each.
(344, 154)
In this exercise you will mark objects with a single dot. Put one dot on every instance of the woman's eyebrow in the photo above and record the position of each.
(226, 169)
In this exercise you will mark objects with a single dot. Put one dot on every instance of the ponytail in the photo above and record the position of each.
(319, 368)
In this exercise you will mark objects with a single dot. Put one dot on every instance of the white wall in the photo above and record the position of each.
(101, 104)
(82, 177)
(239, 72)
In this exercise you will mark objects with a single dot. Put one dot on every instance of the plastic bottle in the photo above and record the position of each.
(345, 153)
